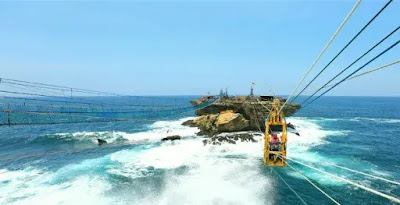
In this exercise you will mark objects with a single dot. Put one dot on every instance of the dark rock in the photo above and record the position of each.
(172, 138)
(231, 141)
(290, 125)
(230, 138)
(100, 141)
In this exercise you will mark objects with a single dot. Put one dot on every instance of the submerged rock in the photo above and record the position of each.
(171, 138)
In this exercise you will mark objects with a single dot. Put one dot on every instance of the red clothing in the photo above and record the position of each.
(274, 139)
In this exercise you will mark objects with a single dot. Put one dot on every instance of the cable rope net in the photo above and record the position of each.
(26, 103)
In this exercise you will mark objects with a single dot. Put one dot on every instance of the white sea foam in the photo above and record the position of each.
(162, 129)
(109, 136)
(223, 174)
(376, 120)
(157, 131)
(31, 186)
(211, 178)
(311, 134)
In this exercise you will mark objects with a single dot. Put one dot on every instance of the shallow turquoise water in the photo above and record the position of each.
(136, 168)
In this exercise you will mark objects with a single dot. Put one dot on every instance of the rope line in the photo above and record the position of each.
(367, 72)
(365, 174)
(354, 62)
(351, 74)
(98, 105)
(269, 110)
(65, 88)
(80, 100)
(298, 196)
(391, 198)
(344, 48)
(375, 69)
(323, 51)
(312, 183)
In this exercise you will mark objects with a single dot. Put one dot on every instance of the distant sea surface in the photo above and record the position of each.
(67, 165)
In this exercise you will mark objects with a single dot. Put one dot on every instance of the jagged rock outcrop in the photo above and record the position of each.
(232, 114)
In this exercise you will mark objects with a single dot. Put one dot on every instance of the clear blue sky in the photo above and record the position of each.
(174, 48)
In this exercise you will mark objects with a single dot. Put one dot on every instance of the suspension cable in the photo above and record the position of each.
(322, 52)
(86, 102)
(57, 87)
(351, 74)
(341, 51)
(256, 118)
(367, 72)
(354, 62)
(312, 183)
(375, 69)
(363, 173)
(392, 198)
(294, 192)
(269, 110)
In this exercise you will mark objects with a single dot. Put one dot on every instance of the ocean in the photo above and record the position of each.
(63, 164)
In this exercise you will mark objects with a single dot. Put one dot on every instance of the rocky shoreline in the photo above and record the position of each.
(233, 137)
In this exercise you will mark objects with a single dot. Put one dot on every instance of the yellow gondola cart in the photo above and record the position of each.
(275, 157)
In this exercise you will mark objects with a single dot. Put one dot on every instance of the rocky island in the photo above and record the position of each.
(235, 115)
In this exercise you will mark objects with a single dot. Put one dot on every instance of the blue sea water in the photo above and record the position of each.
(68, 167)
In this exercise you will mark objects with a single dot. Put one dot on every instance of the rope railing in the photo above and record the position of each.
(88, 118)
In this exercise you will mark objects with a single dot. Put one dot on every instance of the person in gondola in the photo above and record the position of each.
(274, 142)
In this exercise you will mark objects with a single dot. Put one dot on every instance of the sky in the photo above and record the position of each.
(194, 47)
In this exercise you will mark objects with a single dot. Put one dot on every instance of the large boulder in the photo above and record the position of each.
(228, 121)
(205, 123)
